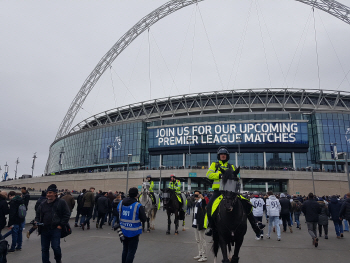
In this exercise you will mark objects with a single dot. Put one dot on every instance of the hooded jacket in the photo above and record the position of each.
(4, 210)
(323, 216)
(102, 204)
(286, 206)
(345, 209)
(14, 219)
(273, 206)
(311, 209)
(334, 209)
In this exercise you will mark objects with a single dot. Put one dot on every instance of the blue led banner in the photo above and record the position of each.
(229, 133)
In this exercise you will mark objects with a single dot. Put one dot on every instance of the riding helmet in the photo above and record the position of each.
(172, 176)
(223, 150)
(148, 176)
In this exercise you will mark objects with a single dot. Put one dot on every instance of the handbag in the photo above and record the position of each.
(66, 230)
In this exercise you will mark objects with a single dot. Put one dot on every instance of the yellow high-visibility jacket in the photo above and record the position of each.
(214, 173)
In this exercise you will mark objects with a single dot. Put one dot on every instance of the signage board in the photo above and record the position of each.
(229, 133)
(192, 174)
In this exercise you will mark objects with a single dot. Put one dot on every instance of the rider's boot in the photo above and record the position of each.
(209, 232)
(256, 227)
(234, 259)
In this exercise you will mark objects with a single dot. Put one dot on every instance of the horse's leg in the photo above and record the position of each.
(223, 247)
(169, 222)
(229, 252)
(238, 244)
(148, 230)
(215, 244)
(183, 224)
(154, 213)
(176, 221)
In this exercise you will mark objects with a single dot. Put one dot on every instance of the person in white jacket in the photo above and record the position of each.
(258, 211)
(273, 208)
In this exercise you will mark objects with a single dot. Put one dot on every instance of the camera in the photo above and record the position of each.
(117, 228)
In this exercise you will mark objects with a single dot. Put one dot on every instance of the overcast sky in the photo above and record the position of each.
(48, 48)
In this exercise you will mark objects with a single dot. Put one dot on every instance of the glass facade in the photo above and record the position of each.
(89, 149)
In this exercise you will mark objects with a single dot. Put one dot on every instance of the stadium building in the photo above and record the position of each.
(276, 135)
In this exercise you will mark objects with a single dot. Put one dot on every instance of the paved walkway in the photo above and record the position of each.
(91, 246)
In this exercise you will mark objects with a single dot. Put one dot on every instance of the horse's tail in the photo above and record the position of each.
(215, 247)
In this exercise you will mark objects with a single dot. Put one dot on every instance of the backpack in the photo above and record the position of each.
(3, 250)
(298, 206)
(22, 212)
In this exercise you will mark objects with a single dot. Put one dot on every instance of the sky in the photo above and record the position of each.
(48, 49)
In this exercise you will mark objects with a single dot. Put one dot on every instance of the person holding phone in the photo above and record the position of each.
(198, 224)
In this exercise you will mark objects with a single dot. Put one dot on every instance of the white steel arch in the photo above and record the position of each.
(332, 7)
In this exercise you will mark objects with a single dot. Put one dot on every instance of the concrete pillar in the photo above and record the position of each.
(293, 158)
(209, 160)
(241, 182)
(189, 184)
(267, 186)
(264, 160)
(236, 157)
(183, 159)
(183, 186)
(160, 160)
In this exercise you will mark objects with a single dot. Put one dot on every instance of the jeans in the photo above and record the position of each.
(86, 215)
(17, 236)
(129, 249)
(296, 217)
(188, 210)
(114, 220)
(285, 220)
(291, 218)
(346, 225)
(276, 221)
(311, 227)
(52, 236)
(258, 219)
(94, 214)
(202, 244)
(77, 217)
(338, 227)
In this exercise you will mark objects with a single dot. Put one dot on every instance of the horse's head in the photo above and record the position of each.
(230, 179)
(229, 200)
(145, 187)
(167, 193)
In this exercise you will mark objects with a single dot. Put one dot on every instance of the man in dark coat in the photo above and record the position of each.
(25, 196)
(345, 209)
(286, 209)
(79, 207)
(4, 210)
(102, 206)
(54, 214)
(334, 209)
(15, 221)
(198, 223)
(311, 210)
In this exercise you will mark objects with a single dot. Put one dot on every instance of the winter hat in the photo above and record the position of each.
(133, 192)
(52, 188)
(282, 195)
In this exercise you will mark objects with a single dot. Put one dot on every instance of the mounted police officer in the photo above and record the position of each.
(215, 173)
(131, 215)
(176, 186)
(151, 185)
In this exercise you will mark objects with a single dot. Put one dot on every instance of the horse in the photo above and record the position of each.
(150, 209)
(230, 220)
(173, 206)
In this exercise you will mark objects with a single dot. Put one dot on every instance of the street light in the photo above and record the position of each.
(34, 157)
(160, 177)
(239, 140)
(189, 140)
(127, 174)
(313, 180)
(17, 162)
(6, 171)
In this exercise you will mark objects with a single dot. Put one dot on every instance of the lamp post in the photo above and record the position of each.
(34, 157)
(6, 171)
(110, 155)
(160, 177)
(313, 180)
(239, 140)
(17, 162)
(127, 174)
(189, 140)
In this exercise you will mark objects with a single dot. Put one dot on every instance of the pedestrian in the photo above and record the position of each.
(311, 210)
(53, 214)
(198, 225)
(296, 210)
(131, 224)
(70, 200)
(286, 209)
(95, 213)
(110, 197)
(25, 196)
(79, 207)
(323, 219)
(334, 209)
(273, 208)
(345, 209)
(38, 202)
(88, 207)
(258, 211)
(115, 208)
(15, 221)
(189, 205)
(102, 206)
(4, 210)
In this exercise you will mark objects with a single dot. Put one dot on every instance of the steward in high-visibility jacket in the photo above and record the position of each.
(131, 215)
(215, 171)
(175, 184)
(151, 185)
